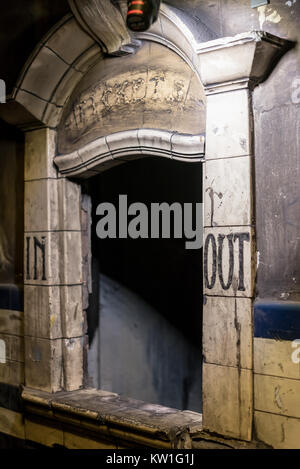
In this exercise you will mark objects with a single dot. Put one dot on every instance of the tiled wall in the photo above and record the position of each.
(54, 325)
(277, 373)
(229, 250)
(11, 360)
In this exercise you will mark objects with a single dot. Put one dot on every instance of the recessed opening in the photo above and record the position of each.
(11, 217)
(145, 313)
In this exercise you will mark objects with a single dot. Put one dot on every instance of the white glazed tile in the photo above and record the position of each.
(277, 431)
(229, 261)
(46, 70)
(228, 192)
(227, 331)
(277, 395)
(43, 364)
(53, 258)
(227, 401)
(63, 43)
(274, 357)
(52, 204)
(228, 130)
(40, 148)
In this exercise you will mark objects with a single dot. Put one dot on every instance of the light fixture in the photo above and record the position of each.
(142, 14)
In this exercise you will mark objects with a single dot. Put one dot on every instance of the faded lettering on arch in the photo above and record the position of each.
(150, 89)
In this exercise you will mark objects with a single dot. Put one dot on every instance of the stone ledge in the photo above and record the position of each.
(113, 421)
(125, 421)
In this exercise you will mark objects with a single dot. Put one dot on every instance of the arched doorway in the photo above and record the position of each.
(149, 104)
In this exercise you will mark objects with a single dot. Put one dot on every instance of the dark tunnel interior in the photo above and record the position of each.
(145, 312)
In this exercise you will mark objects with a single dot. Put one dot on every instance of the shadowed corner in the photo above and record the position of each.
(285, 46)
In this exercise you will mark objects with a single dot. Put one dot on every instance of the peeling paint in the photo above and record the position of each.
(52, 320)
(211, 194)
(70, 343)
(76, 311)
(290, 3)
(243, 143)
(284, 296)
(277, 398)
(257, 259)
(266, 14)
(238, 328)
(295, 90)
(36, 355)
(282, 433)
(2, 352)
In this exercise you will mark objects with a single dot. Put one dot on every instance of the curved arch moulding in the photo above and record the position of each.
(106, 152)
(149, 103)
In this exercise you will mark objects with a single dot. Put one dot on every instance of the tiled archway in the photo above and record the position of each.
(56, 235)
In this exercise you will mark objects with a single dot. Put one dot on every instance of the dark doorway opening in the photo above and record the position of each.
(145, 314)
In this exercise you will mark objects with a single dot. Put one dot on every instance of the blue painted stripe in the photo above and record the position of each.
(278, 320)
(11, 297)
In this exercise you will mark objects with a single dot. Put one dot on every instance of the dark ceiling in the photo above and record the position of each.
(22, 25)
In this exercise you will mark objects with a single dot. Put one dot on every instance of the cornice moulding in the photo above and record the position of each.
(123, 146)
(244, 60)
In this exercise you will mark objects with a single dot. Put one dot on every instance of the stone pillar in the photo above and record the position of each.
(230, 68)
(54, 319)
